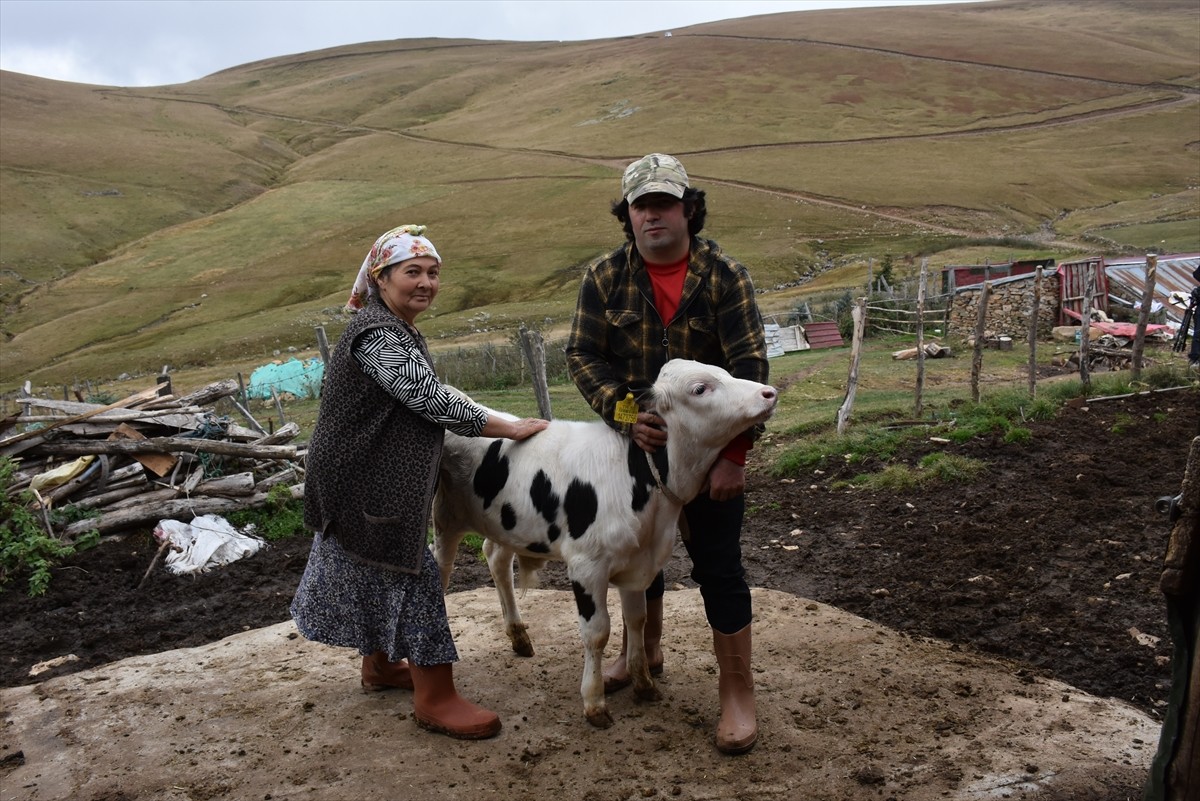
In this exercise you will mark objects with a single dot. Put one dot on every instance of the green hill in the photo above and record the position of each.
(225, 218)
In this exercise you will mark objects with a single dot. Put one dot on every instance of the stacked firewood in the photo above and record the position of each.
(149, 457)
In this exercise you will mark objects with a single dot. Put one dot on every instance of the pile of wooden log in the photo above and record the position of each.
(149, 457)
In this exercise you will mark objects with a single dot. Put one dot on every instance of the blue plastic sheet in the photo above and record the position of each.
(300, 378)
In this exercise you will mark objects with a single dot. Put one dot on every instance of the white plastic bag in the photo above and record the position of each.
(208, 541)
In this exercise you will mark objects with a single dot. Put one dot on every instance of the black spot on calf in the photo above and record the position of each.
(544, 498)
(508, 517)
(581, 506)
(492, 474)
(583, 599)
(643, 479)
(537, 547)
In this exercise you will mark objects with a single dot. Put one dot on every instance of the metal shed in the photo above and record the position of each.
(1174, 273)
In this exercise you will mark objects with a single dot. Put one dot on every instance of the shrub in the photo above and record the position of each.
(26, 548)
(281, 518)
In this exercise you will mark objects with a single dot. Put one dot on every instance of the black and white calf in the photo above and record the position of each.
(582, 493)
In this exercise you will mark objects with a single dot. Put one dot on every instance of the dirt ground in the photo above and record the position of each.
(1049, 562)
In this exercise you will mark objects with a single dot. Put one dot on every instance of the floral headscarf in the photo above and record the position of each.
(399, 244)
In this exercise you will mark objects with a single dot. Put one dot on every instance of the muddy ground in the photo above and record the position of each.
(1050, 560)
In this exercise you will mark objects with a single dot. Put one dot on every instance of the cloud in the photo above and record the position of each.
(138, 43)
(60, 62)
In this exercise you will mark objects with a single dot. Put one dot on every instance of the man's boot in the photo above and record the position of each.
(616, 675)
(737, 731)
(379, 674)
(438, 707)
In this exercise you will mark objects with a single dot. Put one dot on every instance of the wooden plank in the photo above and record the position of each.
(823, 335)
(132, 400)
(158, 463)
(171, 445)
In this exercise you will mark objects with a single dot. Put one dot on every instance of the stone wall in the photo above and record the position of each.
(1008, 309)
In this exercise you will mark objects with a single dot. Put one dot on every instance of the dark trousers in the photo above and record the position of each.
(714, 544)
(1194, 353)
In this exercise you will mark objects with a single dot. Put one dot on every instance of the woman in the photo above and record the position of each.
(371, 583)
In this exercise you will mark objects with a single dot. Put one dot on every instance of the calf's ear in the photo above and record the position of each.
(643, 393)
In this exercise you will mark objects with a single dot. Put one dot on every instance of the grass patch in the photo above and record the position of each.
(281, 519)
(935, 468)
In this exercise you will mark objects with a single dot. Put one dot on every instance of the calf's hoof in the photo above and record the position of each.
(600, 718)
(521, 644)
(650, 693)
(617, 677)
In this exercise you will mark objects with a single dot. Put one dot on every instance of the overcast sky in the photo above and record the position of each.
(157, 42)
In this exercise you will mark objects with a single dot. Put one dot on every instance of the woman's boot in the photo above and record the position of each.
(379, 674)
(616, 675)
(438, 707)
(737, 731)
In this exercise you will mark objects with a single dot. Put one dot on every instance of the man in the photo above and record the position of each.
(1194, 353)
(667, 293)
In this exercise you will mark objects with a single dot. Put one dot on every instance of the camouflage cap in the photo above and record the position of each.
(654, 173)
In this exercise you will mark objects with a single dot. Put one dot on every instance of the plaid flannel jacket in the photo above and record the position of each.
(618, 343)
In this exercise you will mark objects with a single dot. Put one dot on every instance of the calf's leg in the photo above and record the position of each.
(445, 548)
(500, 563)
(634, 608)
(616, 673)
(591, 601)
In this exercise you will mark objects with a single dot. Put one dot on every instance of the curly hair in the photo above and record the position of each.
(694, 208)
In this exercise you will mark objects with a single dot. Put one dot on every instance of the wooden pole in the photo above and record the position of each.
(1034, 311)
(323, 344)
(980, 322)
(278, 405)
(1085, 308)
(859, 315)
(151, 512)
(170, 445)
(137, 397)
(1139, 339)
(535, 353)
(920, 391)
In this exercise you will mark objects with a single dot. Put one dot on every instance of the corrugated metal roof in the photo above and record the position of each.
(1173, 274)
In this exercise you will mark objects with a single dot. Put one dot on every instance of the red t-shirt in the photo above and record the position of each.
(667, 282)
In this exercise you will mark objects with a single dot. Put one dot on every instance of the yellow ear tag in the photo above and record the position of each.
(627, 410)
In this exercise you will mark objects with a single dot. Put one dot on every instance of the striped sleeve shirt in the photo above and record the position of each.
(400, 369)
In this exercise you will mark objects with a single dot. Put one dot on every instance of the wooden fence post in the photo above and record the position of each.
(323, 344)
(980, 322)
(859, 315)
(1139, 339)
(278, 405)
(1089, 288)
(1033, 330)
(535, 353)
(917, 407)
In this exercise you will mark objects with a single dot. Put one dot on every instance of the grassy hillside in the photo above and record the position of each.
(220, 220)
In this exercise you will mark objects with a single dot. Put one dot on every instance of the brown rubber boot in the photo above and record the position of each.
(737, 731)
(379, 674)
(616, 675)
(438, 707)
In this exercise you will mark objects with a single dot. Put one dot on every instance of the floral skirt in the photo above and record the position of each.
(343, 602)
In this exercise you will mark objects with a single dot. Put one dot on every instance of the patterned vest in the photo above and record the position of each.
(371, 465)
